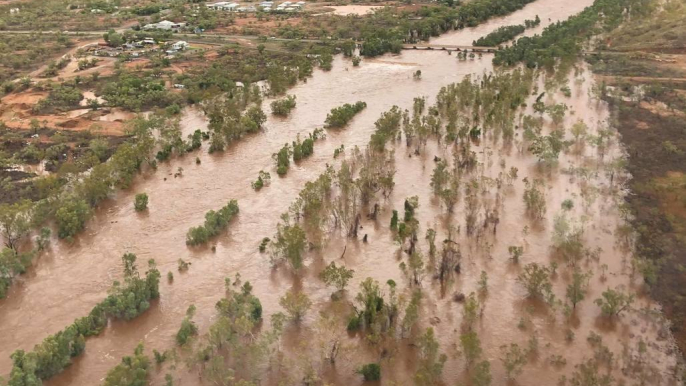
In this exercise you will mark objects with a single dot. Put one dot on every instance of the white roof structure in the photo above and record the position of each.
(180, 45)
(164, 24)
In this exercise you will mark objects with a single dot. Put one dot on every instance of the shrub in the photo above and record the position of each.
(370, 372)
(283, 107)
(340, 116)
(214, 223)
(141, 202)
(71, 217)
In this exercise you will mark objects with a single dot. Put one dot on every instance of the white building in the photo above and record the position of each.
(224, 6)
(180, 45)
(165, 25)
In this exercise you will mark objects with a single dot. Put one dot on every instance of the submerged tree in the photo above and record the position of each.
(534, 199)
(289, 244)
(132, 371)
(296, 304)
(613, 302)
(15, 222)
(536, 279)
(576, 290)
(336, 276)
(514, 359)
(471, 347)
(431, 361)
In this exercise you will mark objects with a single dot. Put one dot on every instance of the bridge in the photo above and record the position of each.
(448, 47)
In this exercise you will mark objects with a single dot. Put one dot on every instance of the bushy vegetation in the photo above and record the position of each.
(505, 33)
(283, 107)
(25, 52)
(230, 118)
(215, 222)
(141, 202)
(340, 116)
(61, 97)
(132, 371)
(387, 29)
(263, 179)
(188, 328)
(136, 92)
(371, 372)
(56, 15)
(278, 69)
(57, 351)
(563, 40)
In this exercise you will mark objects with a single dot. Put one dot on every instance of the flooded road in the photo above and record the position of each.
(69, 280)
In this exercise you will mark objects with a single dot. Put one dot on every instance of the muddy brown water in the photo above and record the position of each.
(68, 281)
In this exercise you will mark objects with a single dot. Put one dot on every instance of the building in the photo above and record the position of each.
(180, 45)
(223, 6)
(165, 25)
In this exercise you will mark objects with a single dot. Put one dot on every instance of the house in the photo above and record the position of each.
(223, 6)
(180, 45)
(148, 41)
(165, 25)
(179, 86)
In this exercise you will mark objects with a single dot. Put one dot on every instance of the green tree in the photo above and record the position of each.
(481, 376)
(141, 202)
(132, 371)
(536, 279)
(371, 372)
(289, 244)
(534, 199)
(588, 374)
(71, 217)
(613, 302)
(431, 361)
(336, 276)
(471, 347)
(188, 327)
(576, 290)
(296, 304)
(514, 359)
(15, 222)
(471, 310)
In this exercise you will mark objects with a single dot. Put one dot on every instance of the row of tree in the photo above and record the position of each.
(563, 40)
(505, 33)
(215, 222)
(340, 116)
(125, 301)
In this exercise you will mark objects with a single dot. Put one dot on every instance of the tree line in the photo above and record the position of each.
(563, 40)
(215, 222)
(126, 301)
(505, 33)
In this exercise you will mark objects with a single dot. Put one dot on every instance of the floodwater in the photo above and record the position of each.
(69, 280)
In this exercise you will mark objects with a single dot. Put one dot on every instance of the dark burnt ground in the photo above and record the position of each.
(655, 139)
